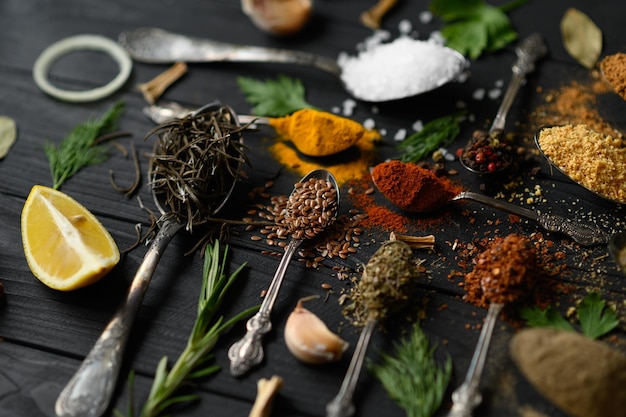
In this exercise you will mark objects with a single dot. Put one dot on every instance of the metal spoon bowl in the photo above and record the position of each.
(89, 391)
(153, 45)
(248, 351)
(559, 169)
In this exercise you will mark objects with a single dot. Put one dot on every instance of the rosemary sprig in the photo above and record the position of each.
(79, 148)
(194, 361)
(436, 134)
(412, 377)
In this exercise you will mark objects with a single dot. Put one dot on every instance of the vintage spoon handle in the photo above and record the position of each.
(580, 233)
(467, 396)
(342, 405)
(528, 52)
(153, 45)
(89, 391)
(248, 351)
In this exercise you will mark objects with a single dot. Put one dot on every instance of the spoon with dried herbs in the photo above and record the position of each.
(311, 208)
(488, 152)
(196, 162)
(504, 272)
(388, 281)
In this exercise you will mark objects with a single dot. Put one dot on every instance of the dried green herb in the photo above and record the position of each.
(595, 317)
(79, 148)
(581, 37)
(412, 376)
(473, 27)
(274, 98)
(8, 134)
(196, 162)
(195, 361)
(436, 134)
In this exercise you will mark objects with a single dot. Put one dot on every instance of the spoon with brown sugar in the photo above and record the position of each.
(419, 190)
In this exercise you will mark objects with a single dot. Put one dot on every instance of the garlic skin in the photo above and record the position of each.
(309, 340)
(278, 17)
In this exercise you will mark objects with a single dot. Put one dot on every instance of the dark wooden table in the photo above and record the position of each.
(45, 334)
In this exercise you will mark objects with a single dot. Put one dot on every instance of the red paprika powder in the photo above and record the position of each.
(411, 187)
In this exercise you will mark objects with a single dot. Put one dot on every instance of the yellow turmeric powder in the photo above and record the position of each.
(318, 133)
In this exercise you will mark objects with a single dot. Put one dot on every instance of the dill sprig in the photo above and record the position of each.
(436, 134)
(79, 148)
(196, 360)
(411, 376)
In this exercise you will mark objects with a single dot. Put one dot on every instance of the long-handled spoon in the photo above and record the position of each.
(153, 45)
(528, 52)
(387, 282)
(303, 223)
(89, 391)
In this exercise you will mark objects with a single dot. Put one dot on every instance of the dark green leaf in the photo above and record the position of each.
(435, 134)
(550, 317)
(596, 318)
(274, 98)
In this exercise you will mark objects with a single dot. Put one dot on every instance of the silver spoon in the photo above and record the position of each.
(617, 249)
(248, 351)
(528, 53)
(153, 45)
(89, 391)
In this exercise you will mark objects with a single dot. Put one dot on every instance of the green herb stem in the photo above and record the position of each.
(436, 134)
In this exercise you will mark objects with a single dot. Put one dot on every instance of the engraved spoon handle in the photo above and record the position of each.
(248, 351)
(342, 405)
(580, 233)
(155, 45)
(467, 396)
(89, 391)
(528, 52)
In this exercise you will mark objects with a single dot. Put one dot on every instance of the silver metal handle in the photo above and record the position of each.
(342, 405)
(89, 391)
(580, 233)
(248, 351)
(153, 45)
(528, 52)
(467, 396)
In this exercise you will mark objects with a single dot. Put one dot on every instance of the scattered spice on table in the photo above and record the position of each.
(614, 70)
(318, 133)
(487, 152)
(503, 273)
(411, 187)
(596, 161)
(582, 376)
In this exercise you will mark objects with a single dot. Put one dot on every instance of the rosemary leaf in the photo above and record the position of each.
(79, 149)
(411, 376)
(193, 361)
(436, 134)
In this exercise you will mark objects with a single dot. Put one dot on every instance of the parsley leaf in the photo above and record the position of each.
(550, 317)
(274, 98)
(596, 318)
(473, 26)
(435, 134)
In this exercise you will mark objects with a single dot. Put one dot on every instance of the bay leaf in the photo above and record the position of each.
(581, 37)
(8, 134)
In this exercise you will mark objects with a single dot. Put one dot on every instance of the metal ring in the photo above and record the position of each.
(76, 43)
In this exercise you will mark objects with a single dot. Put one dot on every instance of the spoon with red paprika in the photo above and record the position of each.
(416, 189)
(487, 151)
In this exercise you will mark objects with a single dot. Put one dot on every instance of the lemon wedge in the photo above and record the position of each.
(66, 247)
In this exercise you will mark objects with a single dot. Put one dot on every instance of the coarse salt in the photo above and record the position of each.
(401, 68)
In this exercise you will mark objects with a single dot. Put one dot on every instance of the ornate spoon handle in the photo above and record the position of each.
(580, 233)
(467, 396)
(528, 52)
(89, 391)
(248, 351)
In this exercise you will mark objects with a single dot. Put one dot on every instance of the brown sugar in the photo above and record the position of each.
(614, 69)
(596, 161)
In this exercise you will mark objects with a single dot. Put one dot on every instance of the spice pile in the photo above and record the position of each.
(614, 70)
(487, 152)
(596, 161)
(310, 208)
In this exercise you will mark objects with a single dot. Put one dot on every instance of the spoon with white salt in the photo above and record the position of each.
(385, 72)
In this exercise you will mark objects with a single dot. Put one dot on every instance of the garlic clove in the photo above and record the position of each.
(308, 338)
(279, 17)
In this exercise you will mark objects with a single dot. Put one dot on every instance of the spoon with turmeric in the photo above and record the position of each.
(419, 190)
(313, 132)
